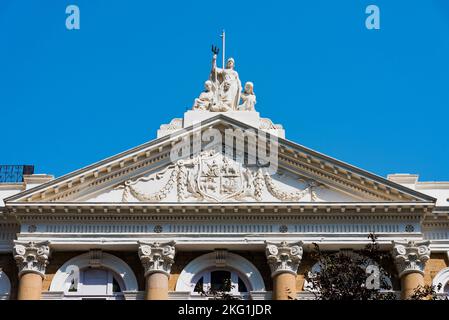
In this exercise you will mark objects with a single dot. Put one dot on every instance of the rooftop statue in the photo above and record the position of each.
(225, 101)
(206, 98)
(227, 82)
(248, 98)
(223, 90)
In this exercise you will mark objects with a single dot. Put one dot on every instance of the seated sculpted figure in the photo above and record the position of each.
(248, 98)
(205, 100)
(225, 99)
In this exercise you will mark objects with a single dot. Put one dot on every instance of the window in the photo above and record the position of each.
(5, 286)
(95, 283)
(220, 280)
(441, 281)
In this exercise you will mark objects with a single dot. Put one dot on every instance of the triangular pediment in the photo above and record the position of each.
(215, 177)
(148, 174)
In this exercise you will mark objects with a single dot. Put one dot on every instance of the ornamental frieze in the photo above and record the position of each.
(211, 176)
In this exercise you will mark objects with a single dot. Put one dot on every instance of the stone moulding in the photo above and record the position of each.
(51, 208)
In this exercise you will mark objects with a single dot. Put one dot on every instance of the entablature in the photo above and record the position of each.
(254, 209)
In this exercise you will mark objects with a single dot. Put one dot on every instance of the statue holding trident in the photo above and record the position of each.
(227, 85)
(223, 89)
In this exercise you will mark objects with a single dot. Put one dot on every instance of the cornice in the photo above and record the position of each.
(228, 211)
(194, 205)
(215, 218)
(12, 186)
(318, 172)
(156, 150)
(425, 185)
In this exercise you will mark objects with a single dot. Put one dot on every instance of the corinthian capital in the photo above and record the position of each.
(411, 256)
(31, 256)
(156, 256)
(283, 257)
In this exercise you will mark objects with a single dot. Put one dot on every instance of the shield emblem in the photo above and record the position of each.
(219, 178)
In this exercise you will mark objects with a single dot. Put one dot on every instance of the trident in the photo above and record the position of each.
(216, 50)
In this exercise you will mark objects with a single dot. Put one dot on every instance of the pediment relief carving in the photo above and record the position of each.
(213, 177)
(107, 180)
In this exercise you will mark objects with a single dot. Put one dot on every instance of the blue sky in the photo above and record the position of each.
(377, 99)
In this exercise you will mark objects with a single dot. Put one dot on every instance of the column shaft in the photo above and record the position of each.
(157, 259)
(284, 286)
(409, 282)
(284, 259)
(410, 258)
(30, 286)
(156, 286)
(31, 258)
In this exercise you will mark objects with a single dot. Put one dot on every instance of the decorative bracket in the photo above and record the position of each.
(95, 256)
(220, 257)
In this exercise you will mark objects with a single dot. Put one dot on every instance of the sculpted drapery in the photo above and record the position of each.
(222, 92)
(227, 83)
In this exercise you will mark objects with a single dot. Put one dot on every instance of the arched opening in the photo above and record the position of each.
(230, 273)
(103, 276)
(221, 280)
(95, 283)
(441, 281)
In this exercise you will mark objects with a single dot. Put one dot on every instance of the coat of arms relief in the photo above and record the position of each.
(212, 176)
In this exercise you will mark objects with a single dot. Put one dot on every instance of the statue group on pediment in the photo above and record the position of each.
(223, 91)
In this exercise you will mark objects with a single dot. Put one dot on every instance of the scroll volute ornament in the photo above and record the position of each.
(156, 256)
(284, 257)
(411, 256)
(31, 256)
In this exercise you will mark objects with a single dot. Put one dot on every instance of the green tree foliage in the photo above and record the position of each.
(343, 275)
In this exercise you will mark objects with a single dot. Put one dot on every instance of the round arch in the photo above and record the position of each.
(208, 260)
(443, 278)
(82, 261)
(5, 286)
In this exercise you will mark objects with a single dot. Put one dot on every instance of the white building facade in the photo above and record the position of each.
(220, 194)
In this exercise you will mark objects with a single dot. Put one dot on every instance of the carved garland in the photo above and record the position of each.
(157, 196)
(284, 196)
(184, 180)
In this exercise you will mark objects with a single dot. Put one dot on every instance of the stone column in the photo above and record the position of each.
(284, 259)
(31, 259)
(157, 259)
(410, 259)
